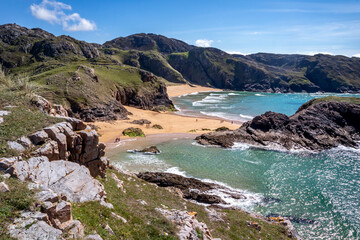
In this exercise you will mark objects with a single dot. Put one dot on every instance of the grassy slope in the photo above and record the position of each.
(22, 120)
(12, 203)
(353, 100)
(144, 222)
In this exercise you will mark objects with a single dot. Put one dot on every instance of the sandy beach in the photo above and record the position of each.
(171, 122)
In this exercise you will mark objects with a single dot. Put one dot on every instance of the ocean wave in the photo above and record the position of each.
(259, 95)
(246, 116)
(240, 146)
(176, 170)
(143, 159)
(251, 199)
(177, 108)
(198, 104)
(233, 94)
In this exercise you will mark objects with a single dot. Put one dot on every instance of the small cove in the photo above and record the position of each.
(319, 187)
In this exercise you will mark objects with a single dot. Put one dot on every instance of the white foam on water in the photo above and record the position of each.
(234, 94)
(198, 104)
(349, 149)
(259, 95)
(177, 108)
(248, 203)
(220, 115)
(146, 159)
(176, 170)
(246, 116)
(194, 93)
(204, 146)
(240, 146)
(122, 142)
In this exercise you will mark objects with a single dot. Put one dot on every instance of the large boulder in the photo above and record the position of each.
(63, 177)
(317, 125)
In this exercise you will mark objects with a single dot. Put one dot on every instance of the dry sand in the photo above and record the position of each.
(171, 122)
(178, 90)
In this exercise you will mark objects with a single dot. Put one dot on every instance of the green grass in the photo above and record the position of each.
(353, 100)
(144, 222)
(133, 132)
(23, 120)
(12, 203)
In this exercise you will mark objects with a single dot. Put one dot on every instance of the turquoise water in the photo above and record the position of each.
(243, 106)
(321, 189)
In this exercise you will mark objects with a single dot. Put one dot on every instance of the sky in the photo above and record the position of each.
(235, 26)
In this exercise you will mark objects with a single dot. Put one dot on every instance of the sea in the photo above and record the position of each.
(318, 191)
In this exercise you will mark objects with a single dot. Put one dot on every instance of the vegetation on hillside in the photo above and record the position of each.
(138, 206)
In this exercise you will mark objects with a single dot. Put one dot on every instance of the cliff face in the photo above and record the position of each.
(317, 125)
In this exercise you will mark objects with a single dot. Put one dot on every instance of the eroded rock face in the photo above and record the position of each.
(63, 177)
(74, 142)
(317, 126)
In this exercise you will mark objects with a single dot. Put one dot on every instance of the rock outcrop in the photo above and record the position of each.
(72, 141)
(317, 125)
(189, 226)
(63, 177)
(194, 189)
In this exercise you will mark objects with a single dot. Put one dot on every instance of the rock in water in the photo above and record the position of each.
(192, 188)
(151, 150)
(319, 124)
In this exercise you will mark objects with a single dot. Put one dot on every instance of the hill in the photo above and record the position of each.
(94, 81)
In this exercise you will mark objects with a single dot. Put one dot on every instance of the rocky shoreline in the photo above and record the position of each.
(317, 125)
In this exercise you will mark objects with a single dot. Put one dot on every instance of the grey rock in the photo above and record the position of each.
(6, 176)
(109, 230)
(3, 113)
(15, 146)
(63, 177)
(5, 163)
(39, 230)
(42, 104)
(38, 137)
(187, 223)
(75, 230)
(55, 133)
(118, 217)
(4, 187)
(47, 196)
(25, 142)
(49, 150)
(93, 237)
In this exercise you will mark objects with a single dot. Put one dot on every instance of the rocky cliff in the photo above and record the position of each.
(319, 124)
(89, 84)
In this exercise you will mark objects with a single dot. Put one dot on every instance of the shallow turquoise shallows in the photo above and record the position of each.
(320, 191)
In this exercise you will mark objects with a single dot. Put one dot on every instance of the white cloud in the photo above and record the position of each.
(357, 55)
(314, 53)
(237, 52)
(203, 43)
(53, 12)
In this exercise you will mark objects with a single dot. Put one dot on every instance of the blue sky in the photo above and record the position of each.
(302, 26)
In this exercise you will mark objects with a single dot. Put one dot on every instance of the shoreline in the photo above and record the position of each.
(171, 122)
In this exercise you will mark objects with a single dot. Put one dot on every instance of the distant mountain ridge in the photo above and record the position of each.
(179, 62)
